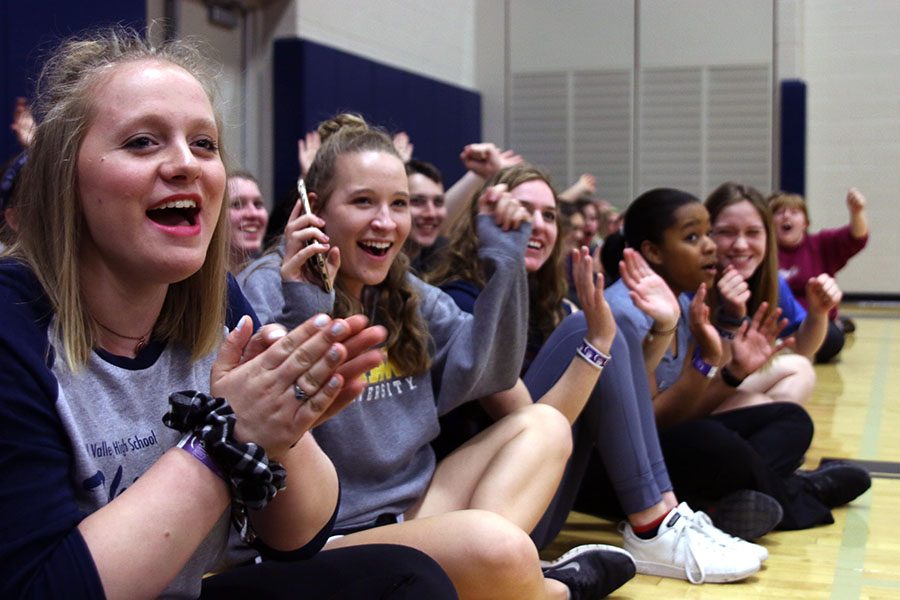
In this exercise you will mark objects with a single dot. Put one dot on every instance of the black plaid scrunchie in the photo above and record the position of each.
(254, 478)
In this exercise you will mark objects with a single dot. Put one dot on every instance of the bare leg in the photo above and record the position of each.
(512, 468)
(789, 378)
(484, 555)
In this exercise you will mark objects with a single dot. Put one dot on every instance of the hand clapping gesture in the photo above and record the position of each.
(281, 384)
(649, 291)
(756, 341)
(706, 335)
(733, 292)
(597, 313)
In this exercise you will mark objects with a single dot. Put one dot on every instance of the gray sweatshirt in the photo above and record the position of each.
(379, 443)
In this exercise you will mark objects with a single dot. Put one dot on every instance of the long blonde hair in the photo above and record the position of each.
(51, 224)
(394, 302)
(546, 287)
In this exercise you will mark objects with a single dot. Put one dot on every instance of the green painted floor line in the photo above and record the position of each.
(882, 583)
(848, 578)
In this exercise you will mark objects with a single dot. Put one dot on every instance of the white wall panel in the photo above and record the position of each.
(540, 120)
(572, 34)
(701, 32)
(670, 146)
(739, 127)
(436, 39)
(851, 61)
(601, 131)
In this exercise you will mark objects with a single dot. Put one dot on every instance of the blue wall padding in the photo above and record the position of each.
(313, 82)
(28, 30)
(793, 137)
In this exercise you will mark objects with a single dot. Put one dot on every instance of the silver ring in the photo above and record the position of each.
(299, 394)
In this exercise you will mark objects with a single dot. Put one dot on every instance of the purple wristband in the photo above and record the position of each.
(194, 446)
(592, 355)
(705, 369)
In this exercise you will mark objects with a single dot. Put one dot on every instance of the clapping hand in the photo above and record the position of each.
(599, 317)
(704, 332)
(756, 341)
(649, 291)
(280, 391)
(734, 292)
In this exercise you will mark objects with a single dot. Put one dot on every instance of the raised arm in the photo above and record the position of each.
(307, 148)
(856, 205)
(685, 398)
(652, 295)
(23, 123)
(822, 294)
(570, 393)
(482, 161)
(481, 354)
(586, 184)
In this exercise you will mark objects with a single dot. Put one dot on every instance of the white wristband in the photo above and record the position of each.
(592, 355)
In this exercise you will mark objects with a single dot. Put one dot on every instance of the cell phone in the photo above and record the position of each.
(317, 262)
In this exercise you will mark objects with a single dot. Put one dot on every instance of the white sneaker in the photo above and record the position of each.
(682, 549)
(705, 523)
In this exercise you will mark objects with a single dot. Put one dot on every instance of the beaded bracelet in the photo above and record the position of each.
(594, 357)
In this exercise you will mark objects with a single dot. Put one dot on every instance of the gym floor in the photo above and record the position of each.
(857, 415)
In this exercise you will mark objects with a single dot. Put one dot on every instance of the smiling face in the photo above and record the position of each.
(427, 208)
(576, 232)
(367, 216)
(790, 226)
(740, 236)
(686, 256)
(591, 221)
(248, 216)
(537, 197)
(150, 178)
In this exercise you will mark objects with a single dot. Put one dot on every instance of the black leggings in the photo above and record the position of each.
(365, 572)
(755, 448)
(832, 344)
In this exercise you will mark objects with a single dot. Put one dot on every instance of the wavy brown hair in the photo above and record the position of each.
(546, 287)
(51, 223)
(394, 302)
(764, 281)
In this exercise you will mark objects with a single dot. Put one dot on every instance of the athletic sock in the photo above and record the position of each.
(648, 531)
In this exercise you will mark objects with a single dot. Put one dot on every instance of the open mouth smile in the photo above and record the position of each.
(377, 249)
(179, 216)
